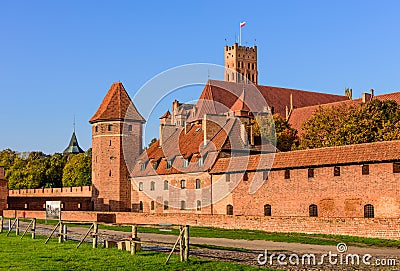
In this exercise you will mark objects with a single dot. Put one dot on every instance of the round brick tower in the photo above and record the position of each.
(116, 143)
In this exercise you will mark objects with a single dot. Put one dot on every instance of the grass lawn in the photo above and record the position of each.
(303, 238)
(28, 254)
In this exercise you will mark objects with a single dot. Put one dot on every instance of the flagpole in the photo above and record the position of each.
(240, 34)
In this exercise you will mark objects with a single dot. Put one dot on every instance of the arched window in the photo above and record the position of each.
(165, 185)
(229, 209)
(198, 207)
(140, 206)
(140, 186)
(313, 210)
(183, 184)
(152, 186)
(369, 211)
(198, 184)
(267, 210)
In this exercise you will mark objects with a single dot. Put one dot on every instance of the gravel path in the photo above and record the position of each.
(258, 246)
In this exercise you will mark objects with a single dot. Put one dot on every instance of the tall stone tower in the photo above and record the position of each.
(116, 143)
(241, 64)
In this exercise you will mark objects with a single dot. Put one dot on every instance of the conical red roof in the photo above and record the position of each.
(117, 105)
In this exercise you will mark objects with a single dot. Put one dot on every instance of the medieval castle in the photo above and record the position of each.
(208, 167)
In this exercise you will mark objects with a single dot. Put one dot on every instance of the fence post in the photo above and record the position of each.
(134, 238)
(60, 233)
(33, 228)
(95, 231)
(1, 224)
(186, 236)
(17, 226)
(181, 244)
(9, 224)
(65, 232)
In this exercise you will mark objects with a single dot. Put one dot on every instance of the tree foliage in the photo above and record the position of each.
(276, 130)
(36, 169)
(343, 125)
(78, 170)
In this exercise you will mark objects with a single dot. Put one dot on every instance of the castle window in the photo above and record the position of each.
(110, 127)
(152, 186)
(228, 177)
(165, 185)
(272, 110)
(336, 171)
(267, 210)
(183, 184)
(228, 74)
(252, 65)
(140, 206)
(245, 177)
(229, 209)
(109, 173)
(140, 186)
(110, 142)
(130, 128)
(313, 210)
(185, 163)
(79, 206)
(96, 129)
(396, 167)
(166, 205)
(248, 66)
(155, 165)
(62, 205)
(152, 205)
(287, 173)
(142, 166)
(365, 170)
(265, 175)
(310, 173)
(183, 205)
(198, 207)
(369, 211)
(252, 77)
(169, 164)
(198, 184)
(200, 162)
(26, 205)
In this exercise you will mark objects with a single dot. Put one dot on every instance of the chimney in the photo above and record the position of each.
(366, 97)
(1, 173)
(291, 103)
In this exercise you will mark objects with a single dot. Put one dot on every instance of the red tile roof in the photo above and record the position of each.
(341, 155)
(219, 97)
(117, 105)
(180, 146)
(301, 115)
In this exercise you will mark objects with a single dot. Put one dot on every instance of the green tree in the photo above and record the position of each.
(78, 170)
(276, 130)
(342, 125)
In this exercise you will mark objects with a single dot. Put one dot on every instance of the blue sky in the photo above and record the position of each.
(59, 58)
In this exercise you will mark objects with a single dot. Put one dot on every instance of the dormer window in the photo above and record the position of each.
(169, 164)
(200, 162)
(185, 163)
(142, 166)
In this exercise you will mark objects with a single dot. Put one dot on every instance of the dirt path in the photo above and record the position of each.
(258, 246)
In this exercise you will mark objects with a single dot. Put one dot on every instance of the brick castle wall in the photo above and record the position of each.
(110, 160)
(388, 228)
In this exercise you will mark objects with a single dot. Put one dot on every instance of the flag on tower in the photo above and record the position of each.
(242, 24)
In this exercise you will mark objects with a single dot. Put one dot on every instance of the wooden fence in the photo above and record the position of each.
(132, 244)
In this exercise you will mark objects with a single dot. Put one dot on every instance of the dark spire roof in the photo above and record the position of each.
(73, 145)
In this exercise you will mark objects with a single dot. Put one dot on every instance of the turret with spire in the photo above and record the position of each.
(73, 146)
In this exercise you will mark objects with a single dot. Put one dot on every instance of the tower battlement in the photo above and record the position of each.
(241, 64)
